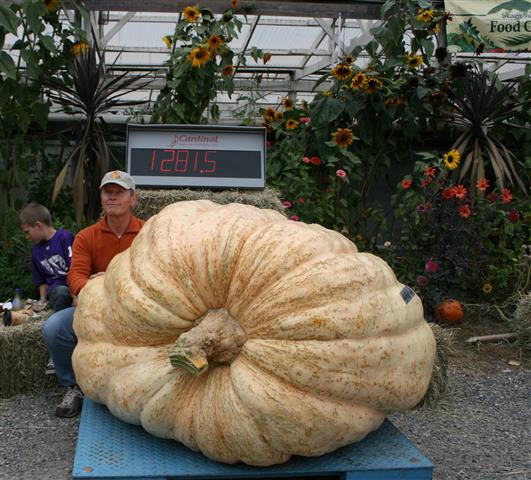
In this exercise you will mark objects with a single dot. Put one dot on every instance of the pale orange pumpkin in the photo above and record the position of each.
(250, 337)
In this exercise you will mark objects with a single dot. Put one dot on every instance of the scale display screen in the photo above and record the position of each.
(196, 156)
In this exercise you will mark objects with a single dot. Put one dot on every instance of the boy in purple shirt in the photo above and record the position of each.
(50, 256)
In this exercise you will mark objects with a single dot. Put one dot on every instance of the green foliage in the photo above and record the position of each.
(84, 88)
(39, 47)
(200, 65)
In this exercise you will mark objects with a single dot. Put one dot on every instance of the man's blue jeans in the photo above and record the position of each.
(60, 339)
(59, 298)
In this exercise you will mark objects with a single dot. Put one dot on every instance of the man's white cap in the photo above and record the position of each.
(120, 178)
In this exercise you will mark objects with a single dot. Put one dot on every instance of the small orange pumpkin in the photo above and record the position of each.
(449, 311)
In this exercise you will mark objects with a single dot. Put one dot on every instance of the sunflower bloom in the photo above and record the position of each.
(452, 159)
(214, 42)
(341, 71)
(278, 116)
(482, 184)
(487, 287)
(51, 5)
(288, 103)
(228, 70)
(191, 14)
(291, 124)
(414, 61)
(267, 56)
(349, 59)
(465, 211)
(343, 137)
(506, 195)
(460, 192)
(425, 15)
(269, 114)
(199, 56)
(372, 85)
(167, 41)
(358, 81)
(80, 48)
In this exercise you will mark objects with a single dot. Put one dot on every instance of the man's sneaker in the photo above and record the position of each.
(50, 368)
(71, 404)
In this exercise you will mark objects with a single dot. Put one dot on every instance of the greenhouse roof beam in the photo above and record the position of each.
(116, 28)
(348, 8)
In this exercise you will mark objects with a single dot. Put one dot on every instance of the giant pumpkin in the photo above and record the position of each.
(250, 337)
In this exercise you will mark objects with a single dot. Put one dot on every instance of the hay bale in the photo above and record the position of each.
(151, 202)
(520, 322)
(23, 357)
(439, 377)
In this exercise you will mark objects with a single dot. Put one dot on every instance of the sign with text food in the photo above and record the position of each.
(202, 156)
(489, 25)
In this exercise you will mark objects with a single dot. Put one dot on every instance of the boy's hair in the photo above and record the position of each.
(34, 212)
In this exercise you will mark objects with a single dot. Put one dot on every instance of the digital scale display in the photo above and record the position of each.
(196, 156)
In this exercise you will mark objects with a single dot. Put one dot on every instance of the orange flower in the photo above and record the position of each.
(482, 184)
(448, 193)
(234, 3)
(228, 71)
(506, 195)
(426, 182)
(430, 171)
(406, 183)
(214, 42)
(51, 5)
(460, 192)
(465, 211)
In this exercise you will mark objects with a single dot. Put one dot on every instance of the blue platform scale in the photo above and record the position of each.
(108, 448)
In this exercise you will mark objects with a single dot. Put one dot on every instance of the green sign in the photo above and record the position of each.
(489, 25)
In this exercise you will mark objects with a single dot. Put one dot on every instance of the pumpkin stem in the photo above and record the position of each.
(216, 336)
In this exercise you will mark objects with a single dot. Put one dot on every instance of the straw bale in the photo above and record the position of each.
(151, 202)
(520, 322)
(439, 377)
(23, 357)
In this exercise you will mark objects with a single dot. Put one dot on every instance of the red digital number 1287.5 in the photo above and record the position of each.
(182, 161)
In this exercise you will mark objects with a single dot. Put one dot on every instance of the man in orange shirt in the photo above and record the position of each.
(93, 249)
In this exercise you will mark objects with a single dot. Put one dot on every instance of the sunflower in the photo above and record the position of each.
(228, 70)
(233, 3)
(452, 159)
(343, 137)
(51, 5)
(269, 115)
(214, 42)
(341, 71)
(349, 59)
(358, 81)
(80, 48)
(191, 14)
(425, 15)
(372, 84)
(291, 124)
(167, 40)
(288, 103)
(278, 116)
(267, 56)
(199, 56)
(414, 61)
